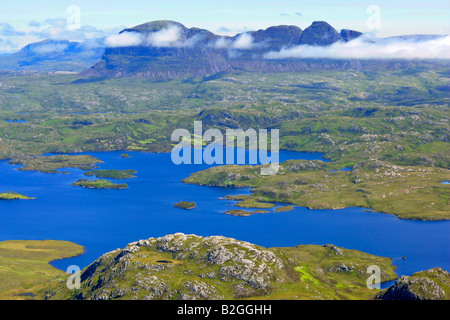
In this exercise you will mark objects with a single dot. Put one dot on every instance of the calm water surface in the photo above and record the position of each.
(103, 220)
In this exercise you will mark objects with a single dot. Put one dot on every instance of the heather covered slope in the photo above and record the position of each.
(186, 267)
(25, 269)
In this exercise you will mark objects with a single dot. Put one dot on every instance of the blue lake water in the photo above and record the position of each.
(342, 169)
(15, 121)
(103, 220)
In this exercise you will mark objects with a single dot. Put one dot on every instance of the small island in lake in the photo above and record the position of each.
(99, 184)
(112, 174)
(243, 213)
(284, 208)
(49, 164)
(13, 196)
(185, 205)
(125, 155)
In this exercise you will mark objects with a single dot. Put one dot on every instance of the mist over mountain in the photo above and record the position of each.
(163, 50)
(54, 55)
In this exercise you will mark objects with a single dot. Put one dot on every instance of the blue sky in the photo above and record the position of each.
(25, 21)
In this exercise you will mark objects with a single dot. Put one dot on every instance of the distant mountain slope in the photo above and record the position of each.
(53, 55)
(164, 50)
(319, 33)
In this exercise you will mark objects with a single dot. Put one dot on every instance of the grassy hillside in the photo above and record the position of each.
(24, 267)
(410, 192)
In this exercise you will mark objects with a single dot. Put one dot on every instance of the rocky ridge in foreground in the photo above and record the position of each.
(432, 284)
(189, 267)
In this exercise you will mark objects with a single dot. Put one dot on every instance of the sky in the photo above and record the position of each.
(26, 21)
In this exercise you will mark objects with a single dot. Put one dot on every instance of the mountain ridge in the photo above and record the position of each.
(164, 50)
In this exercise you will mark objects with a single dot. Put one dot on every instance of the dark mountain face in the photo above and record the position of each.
(275, 38)
(164, 50)
(198, 36)
(319, 33)
(348, 35)
(196, 52)
(167, 50)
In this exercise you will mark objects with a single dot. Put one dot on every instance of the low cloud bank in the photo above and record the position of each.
(49, 48)
(243, 42)
(166, 37)
(366, 47)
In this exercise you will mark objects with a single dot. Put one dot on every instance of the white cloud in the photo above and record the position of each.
(14, 38)
(49, 48)
(166, 37)
(124, 39)
(242, 42)
(364, 48)
(8, 30)
(223, 43)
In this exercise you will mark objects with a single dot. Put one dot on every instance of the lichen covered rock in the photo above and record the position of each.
(433, 284)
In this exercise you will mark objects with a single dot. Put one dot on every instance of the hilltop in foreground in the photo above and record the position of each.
(433, 284)
(179, 266)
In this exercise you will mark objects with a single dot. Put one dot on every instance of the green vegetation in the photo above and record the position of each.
(13, 196)
(24, 268)
(125, 155)
(432, 284)
(185, 205)
(394, 116)
(243, 213)
(410, 192)
(284, 208)
(224, 268)
(49, 164)
(248, 202)
(99, 184)
(111, 174)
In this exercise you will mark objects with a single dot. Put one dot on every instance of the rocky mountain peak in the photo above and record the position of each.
(319, 33)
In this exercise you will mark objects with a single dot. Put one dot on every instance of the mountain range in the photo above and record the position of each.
(164, 50)
(53, 55)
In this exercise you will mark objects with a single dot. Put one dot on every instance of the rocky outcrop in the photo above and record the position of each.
(201, 53)
(433, 284)
(180, 266)
(336, 250)
(189, 267)
(319, 33)
(277, 37)
(348, 35)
